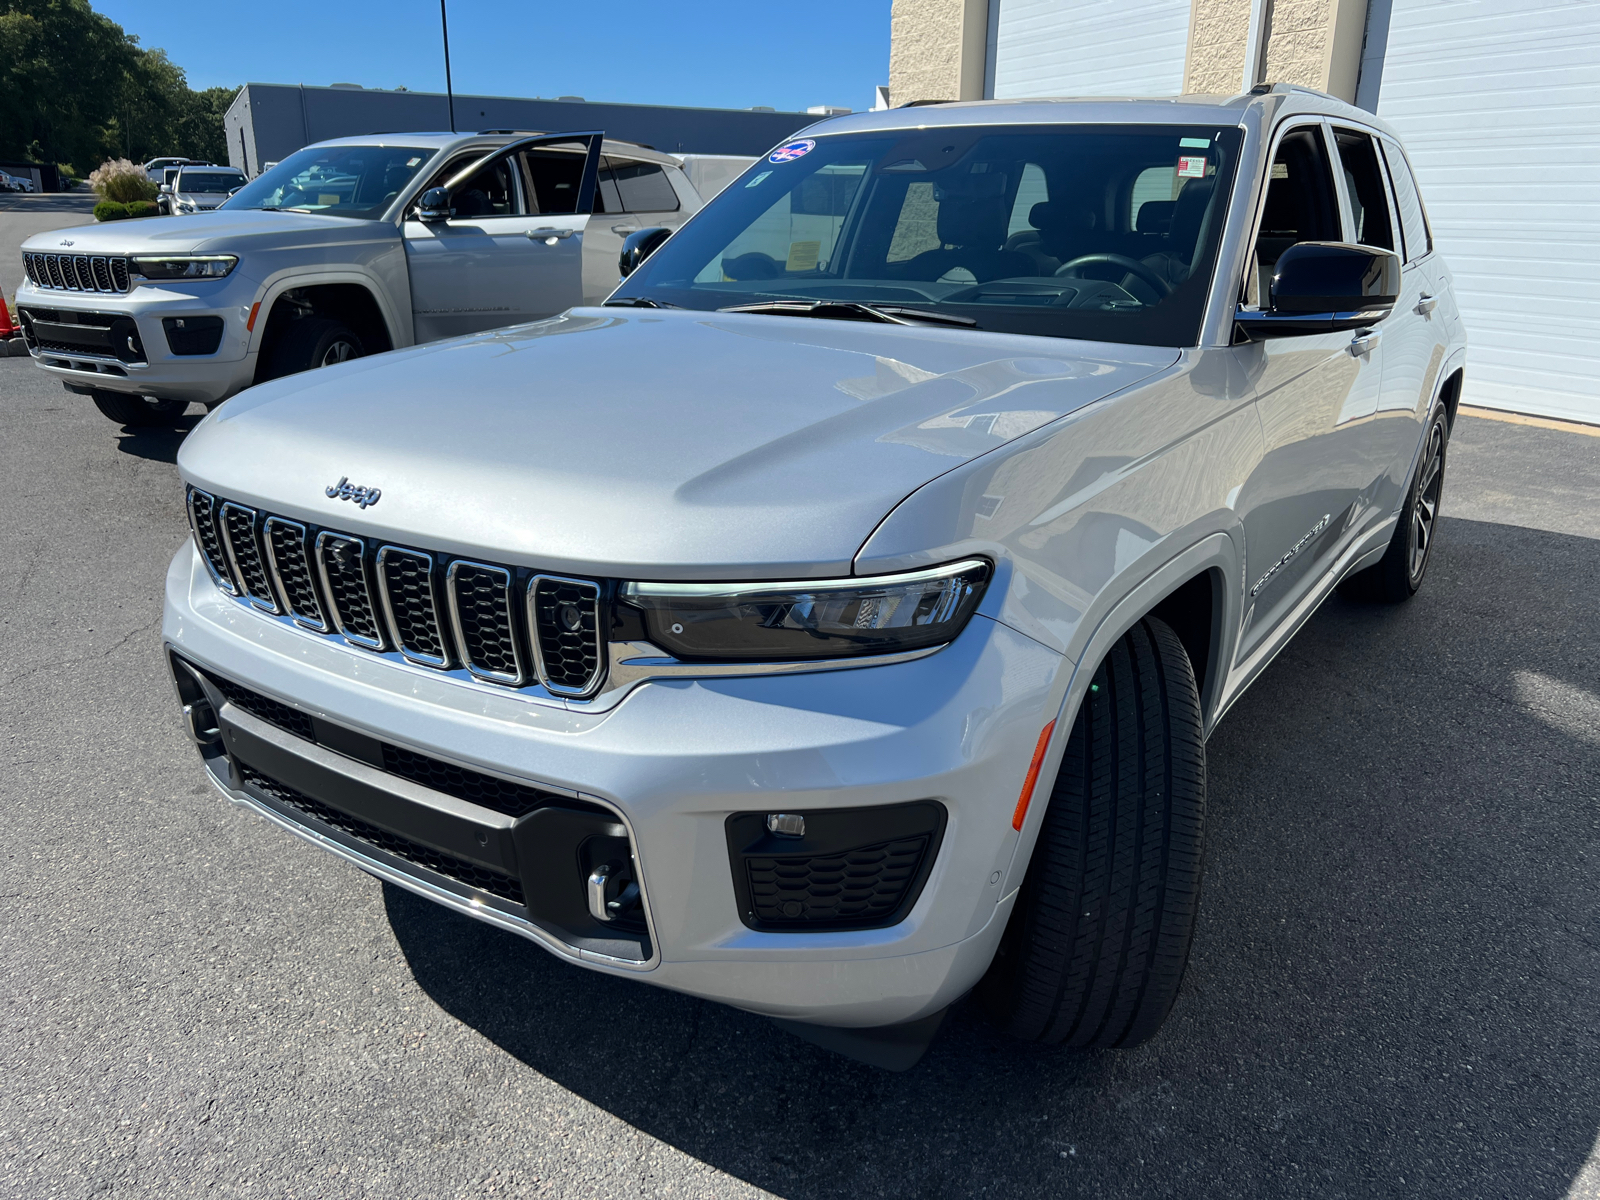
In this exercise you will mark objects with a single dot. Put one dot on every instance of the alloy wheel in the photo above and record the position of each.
(340, 351)
(1425, 503)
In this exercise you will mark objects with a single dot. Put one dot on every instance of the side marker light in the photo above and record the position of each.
(1033, 776)
(250, 325)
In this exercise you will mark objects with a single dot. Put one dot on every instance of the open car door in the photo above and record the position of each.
(500, 240)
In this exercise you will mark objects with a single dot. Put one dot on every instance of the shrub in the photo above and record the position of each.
(111, 210)
(121, 180)
(144, 208)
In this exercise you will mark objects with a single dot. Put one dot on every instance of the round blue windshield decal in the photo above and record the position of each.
(792, 151)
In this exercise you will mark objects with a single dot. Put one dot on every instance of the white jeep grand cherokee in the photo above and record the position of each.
(331, 255)
(832, 622)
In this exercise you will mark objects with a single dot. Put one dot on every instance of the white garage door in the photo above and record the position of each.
(1498, 102)
(1090, 47)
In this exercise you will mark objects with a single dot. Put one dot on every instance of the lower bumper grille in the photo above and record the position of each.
(506, 887)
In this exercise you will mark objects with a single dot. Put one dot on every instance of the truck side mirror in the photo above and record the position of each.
(1322, 287)
(434, 205)
(640, 245)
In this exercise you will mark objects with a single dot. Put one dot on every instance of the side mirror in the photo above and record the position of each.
(1322, 287)
(640, 245)
(166, 189)
(434, 205)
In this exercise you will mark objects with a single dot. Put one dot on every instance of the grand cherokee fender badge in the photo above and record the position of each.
(1310, 535)
(345, 490)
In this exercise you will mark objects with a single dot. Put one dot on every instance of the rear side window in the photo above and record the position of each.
(1413, 222)
(1363, 184)
(643, 186)
(1155, 195)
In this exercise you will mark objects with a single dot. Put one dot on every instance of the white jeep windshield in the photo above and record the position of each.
(340, 181)
(1101, 232)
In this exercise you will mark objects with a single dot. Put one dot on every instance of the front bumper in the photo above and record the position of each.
(156, 370)
(670, 763)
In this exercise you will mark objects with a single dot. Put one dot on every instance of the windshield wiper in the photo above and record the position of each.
(853, 310)
(638, 302)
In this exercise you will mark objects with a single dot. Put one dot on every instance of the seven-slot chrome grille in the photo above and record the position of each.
(78, 272)
(505, 626)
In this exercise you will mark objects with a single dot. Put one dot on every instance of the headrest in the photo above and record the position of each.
(973, 221)
(1189, 213)
(1155, 216)
(1058, 216)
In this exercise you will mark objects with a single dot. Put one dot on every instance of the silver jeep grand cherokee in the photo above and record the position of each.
(832, 622)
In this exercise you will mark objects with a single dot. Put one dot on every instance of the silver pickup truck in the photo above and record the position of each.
(832, 622)
(330, 256)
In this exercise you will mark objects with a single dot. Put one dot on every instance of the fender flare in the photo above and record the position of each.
(288, 280)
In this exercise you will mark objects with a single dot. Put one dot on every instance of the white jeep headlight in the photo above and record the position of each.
(184, 266)
(826, 618)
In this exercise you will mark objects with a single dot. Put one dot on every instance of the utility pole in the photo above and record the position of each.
(449, 92)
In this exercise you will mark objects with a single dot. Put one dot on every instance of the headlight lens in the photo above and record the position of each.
(184, 266)
(830, 618)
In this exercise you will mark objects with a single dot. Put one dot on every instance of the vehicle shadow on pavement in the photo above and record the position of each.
(1394, 990)
(156, 444)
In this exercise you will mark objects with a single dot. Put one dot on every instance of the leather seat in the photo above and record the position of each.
(973, 230)
(1188, 215)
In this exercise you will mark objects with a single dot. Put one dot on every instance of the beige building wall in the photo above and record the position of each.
(939, 48)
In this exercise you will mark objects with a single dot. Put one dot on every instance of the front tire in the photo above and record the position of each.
(140, 411)
(313, 342)
(1395, 577)
(1097, 945)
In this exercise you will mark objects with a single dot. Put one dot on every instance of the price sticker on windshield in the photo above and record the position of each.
(1192, 166)
(792, 151)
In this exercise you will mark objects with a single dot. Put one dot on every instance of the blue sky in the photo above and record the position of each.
(787, 54)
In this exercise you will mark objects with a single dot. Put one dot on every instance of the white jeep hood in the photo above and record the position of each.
(651, 444)
(227, 230)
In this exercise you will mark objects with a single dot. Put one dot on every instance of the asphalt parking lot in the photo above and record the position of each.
(1395, 990)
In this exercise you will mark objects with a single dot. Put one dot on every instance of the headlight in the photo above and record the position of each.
(829, 618)
(184, 266)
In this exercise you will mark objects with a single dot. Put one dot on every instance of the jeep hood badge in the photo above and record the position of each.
(345, 490)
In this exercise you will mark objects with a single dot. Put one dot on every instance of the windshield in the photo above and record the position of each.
(1100, 232)
(209, 181)
(341, 181)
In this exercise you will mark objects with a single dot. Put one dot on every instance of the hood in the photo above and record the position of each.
(648, 444)
(225, 230)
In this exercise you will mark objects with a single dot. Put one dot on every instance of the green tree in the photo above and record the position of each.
(75, 88)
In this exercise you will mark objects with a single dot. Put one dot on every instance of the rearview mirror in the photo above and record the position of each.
(1322, 287)
(640, 245)
(434, 205)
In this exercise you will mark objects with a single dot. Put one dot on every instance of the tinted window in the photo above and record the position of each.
(1363, 184)
(208, 181)
(489, 192)
(1301, 204)
(1413, 224)
(1015, 228)
(606, 197)
(643, 187)
(553, 177)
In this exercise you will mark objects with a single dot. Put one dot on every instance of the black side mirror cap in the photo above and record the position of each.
(1322, 287)
(434, 205)
(640, 245)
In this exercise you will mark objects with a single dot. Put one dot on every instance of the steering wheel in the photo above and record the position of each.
(1131, 265)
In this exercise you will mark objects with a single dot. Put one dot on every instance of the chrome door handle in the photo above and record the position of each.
(548, 236)
(1426, 305)
(624, 229)
(1365, 343)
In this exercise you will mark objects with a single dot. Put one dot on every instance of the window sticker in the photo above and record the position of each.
(1192, 166)
(792, 151)
(1194, 143)
(758, 179)
(803, 256)
(411, 162)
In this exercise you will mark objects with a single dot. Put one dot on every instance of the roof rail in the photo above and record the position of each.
(1263, 89)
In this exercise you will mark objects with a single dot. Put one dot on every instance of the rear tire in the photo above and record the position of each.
(1395, 577)
(141, 411)
(1097, 945)
(313, 342)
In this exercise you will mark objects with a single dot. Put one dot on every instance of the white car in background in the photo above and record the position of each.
(345, 248)
(201, 189)
(15, 183)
